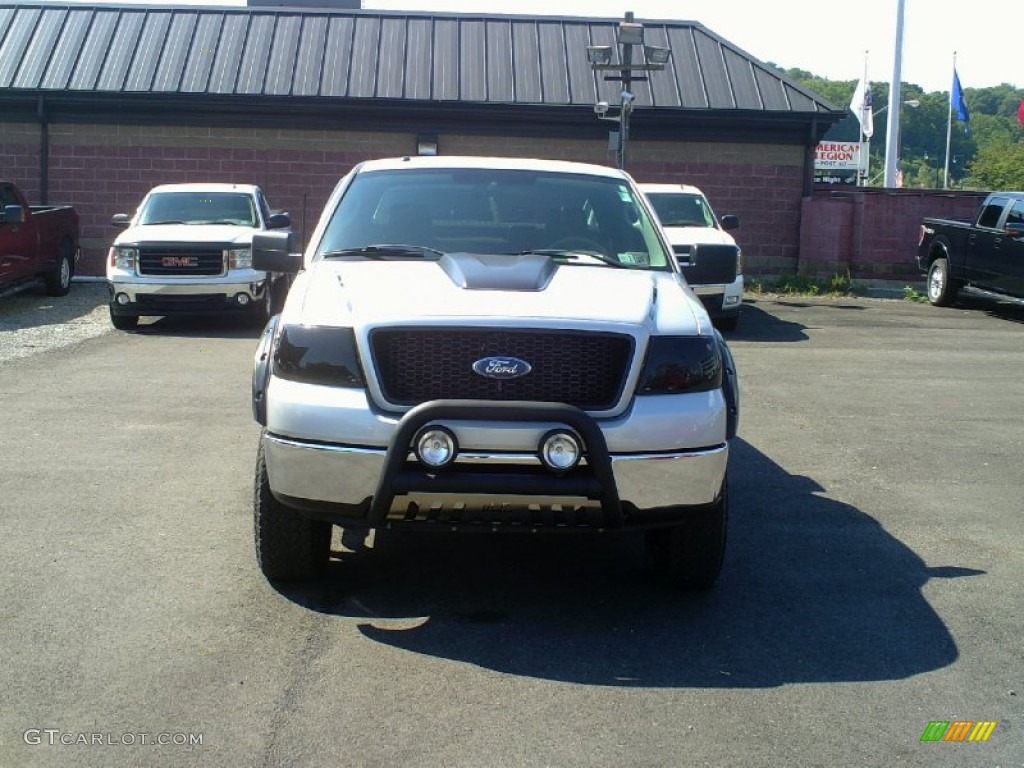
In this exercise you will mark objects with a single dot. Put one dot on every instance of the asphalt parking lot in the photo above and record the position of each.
(872, 582)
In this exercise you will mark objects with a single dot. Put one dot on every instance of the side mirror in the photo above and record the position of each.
(272, 252)
(729, 221)
(279, 221)
(122, 220)
(13, 214)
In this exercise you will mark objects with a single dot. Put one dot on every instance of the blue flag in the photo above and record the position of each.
(959, 104)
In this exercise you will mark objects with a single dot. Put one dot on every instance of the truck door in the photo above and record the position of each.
(985, 252)
(1012, 280)
(17, 241)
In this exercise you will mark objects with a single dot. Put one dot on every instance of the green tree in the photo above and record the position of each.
(999, 164)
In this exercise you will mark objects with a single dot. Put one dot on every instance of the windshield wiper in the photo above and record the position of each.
(555, 253)
(384, 251)
(232, 222)
(158, 223)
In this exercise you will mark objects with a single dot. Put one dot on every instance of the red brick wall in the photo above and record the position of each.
(872, 233)
(107, 169)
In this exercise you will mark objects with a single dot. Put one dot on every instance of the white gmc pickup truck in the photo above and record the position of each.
(490, 344)
(187, 251)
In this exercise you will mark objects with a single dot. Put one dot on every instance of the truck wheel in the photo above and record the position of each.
(689, 556)
(264, 309)
(58, 280)
(124, 322)
(289, 547)
(942, 290)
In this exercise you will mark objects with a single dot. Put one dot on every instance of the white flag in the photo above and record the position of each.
(860, 105)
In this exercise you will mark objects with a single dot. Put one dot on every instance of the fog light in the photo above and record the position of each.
(122, 299)
(242, 299)
(436, 447)
(560, 450)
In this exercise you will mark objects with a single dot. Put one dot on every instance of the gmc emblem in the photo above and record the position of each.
(180, 261)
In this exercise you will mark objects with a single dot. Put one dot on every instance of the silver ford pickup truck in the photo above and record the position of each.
(490, 344)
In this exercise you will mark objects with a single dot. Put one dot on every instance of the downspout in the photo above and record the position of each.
(44, 154)
(809, 158)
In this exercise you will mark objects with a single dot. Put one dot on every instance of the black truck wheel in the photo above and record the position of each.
(124, 322)
(942, 289)
(289, 547)
(690, 555)
(58, 279)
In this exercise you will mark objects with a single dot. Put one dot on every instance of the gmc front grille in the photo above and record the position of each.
(182, 261)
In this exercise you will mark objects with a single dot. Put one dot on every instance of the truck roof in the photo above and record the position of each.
(212, 187)
(667, 188)
(500, 163)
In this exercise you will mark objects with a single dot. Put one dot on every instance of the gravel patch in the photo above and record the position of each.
(32, 323)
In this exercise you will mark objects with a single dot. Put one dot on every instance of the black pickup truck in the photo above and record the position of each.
(986, 253)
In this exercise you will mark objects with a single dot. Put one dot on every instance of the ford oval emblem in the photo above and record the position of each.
(502, 367)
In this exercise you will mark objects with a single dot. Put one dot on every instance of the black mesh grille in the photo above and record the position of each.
(180, 260)
(582, 369)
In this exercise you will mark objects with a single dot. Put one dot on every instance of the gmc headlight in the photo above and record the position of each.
(124, 258)
(677, 364)
(239, 258)
(318, 355)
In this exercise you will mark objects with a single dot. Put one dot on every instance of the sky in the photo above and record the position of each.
(833, 40)
(826, 39)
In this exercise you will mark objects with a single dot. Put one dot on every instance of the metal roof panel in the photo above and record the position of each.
(343, 54)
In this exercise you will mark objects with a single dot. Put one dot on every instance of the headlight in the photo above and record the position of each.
(239, 258)
(678, 364)
(124, 258)
(318, 355)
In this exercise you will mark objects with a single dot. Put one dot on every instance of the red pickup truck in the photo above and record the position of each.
(36, 241)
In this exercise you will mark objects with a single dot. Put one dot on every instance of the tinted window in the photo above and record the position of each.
(199, 208)
(991, 212)
(495, 211)
(681, 209)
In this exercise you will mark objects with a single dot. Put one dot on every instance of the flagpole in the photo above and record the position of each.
(892, 132)
(865, 140)
(949, 126)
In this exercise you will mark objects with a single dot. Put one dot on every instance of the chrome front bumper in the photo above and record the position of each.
(349, 475)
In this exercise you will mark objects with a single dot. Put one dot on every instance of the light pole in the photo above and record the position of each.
(630, 34)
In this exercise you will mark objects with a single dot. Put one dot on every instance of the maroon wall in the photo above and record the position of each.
(872, 234)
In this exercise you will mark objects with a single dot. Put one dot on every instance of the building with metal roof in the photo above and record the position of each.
(99, 102)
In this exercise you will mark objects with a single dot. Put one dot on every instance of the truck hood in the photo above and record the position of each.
(698, 236)
(186, 233)
(466, 287)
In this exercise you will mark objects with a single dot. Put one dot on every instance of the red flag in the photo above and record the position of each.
(1020, 112)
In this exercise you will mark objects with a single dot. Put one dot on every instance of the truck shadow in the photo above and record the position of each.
(220, 326)
(756, 324)
(813, 591)
(1010, 310)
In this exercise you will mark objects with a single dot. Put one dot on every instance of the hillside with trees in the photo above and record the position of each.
(988, 156)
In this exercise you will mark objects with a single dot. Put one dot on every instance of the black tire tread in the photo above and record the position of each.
(289, 547)
(690, 556)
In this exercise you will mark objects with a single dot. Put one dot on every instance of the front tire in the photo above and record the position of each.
(289, 547)
(942, 289)
(124, 322)
(690, 556)
(58, 280)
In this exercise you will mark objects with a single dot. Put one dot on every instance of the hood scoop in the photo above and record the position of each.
(493, 272)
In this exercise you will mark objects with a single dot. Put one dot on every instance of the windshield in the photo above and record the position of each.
(490, 211)
(682, 209)
(235, 208)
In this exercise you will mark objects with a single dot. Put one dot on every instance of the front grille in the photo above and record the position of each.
(174, 260)
(708, 264)
(587, 370)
